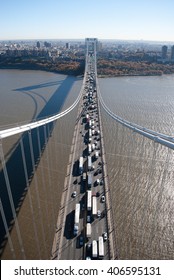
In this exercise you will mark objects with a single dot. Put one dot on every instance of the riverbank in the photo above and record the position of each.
(116, 68)
(70, 67)
(106, 68)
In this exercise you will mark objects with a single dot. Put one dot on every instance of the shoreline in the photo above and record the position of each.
(78, 70)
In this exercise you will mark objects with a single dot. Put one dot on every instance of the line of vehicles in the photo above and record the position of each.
(90, 172)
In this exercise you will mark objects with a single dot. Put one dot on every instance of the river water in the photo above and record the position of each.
(140, 172)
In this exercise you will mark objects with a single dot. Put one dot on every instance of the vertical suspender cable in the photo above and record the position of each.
(7, 230)
(49, 176)
(54, 135)
(30, 197)
(37, 191)
(11, 201)
(43, 181)
(51, 168)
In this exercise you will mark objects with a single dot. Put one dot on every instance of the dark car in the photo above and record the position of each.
(81, 241)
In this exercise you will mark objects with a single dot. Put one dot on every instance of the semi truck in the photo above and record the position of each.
(90, 123)
(81, 165)
(88, 230)
(90, 180)
(89, 163)
(100, 247)
(90, 133)
(76, 218)
(89, 196)
(94, 249)
(89, 149)
(94, 206)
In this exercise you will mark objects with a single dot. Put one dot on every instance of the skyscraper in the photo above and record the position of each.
(164, 52)
(38, 44)
(172, 52)
(67, 46)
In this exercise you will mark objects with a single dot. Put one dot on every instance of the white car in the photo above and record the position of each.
(105, 236)
(98, 181)
(74, 194)
(103, 198)
(98, 213)
(81, 241)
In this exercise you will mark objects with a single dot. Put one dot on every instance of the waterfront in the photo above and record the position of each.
(143, 214)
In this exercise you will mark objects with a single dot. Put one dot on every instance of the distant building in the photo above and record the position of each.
(164, 52)
(38, 45)
(68, 46)
(99, 46)
(172, 53)
(47, 45)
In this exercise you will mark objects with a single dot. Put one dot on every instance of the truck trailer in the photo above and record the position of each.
(100, 247)
(76, 218)
(94, 206)
(88, 230)
(89, 203)
(81, 165)
(94, 249)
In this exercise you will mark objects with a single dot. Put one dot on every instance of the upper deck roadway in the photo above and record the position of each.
(66, 244)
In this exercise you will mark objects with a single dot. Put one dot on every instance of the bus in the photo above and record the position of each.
(89, 195)
(100, 247)
(94, 249)
(81, 165)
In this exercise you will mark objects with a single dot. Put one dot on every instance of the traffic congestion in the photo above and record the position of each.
(90, 175)
(82, 226)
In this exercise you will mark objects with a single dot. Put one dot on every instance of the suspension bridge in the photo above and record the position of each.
(29, 177)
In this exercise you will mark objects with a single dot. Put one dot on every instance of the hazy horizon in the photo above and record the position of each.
(147, 20)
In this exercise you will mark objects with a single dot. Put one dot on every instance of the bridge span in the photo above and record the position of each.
(86, 180)
(86, 184)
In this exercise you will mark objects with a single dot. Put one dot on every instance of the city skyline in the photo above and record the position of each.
(149, 20)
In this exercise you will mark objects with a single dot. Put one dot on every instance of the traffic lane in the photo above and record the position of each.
(70, 242)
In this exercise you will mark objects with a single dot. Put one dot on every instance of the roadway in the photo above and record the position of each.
(69, 246)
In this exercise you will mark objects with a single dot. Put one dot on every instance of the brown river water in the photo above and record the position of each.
(140, 171)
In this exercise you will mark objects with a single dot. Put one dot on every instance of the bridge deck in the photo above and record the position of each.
(66, 244)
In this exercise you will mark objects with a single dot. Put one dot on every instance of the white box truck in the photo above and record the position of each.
(76, 218)
(94, 206)
(89, 163)
(81, 165)
(89, 149)
(94, 249)
(89, 203)
(100, 247)
(88, 230)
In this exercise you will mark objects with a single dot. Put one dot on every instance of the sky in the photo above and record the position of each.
(77, 19)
